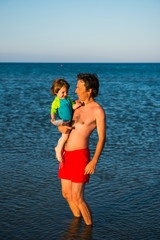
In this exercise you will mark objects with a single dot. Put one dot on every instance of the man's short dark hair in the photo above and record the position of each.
(90, 82)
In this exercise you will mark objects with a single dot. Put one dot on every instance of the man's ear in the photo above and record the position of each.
(90, 91)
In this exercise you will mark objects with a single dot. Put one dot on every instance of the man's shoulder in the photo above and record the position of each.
(97, 106)
(98, 109)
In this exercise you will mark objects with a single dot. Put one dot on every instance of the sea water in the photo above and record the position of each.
(124, 192)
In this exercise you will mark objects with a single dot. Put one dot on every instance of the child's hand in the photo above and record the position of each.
(77, 104)
(52, 120)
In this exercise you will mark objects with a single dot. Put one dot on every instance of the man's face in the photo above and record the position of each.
(81, 91)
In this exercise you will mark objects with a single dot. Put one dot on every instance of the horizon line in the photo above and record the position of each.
(81, 62)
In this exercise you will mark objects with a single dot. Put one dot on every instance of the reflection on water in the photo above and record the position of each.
(74, 232)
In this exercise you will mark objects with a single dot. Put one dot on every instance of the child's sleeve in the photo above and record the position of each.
(55, 105)
(72, 103)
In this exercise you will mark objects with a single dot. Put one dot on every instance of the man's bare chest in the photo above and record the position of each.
(84, 116)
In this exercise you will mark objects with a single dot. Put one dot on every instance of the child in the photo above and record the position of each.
(63, 106)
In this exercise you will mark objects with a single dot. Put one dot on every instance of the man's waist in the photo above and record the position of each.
(80, 149)
(75, 147)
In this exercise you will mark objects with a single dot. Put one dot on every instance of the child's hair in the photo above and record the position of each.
(58, 84)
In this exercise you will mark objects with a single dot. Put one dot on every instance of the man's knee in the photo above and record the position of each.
(66, 195)
(77, 198)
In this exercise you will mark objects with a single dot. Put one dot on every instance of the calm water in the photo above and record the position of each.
(124, 192)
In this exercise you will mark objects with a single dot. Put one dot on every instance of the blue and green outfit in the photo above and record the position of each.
(63, 107)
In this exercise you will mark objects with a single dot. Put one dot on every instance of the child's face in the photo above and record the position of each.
(62, 93)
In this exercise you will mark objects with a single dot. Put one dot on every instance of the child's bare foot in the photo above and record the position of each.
(56, 151)
(58, 155)
(60, 159)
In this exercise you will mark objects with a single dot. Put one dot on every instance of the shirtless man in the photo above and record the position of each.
(77, 165)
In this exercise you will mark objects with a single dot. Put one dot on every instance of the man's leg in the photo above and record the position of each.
(67, 194)
(78, 200)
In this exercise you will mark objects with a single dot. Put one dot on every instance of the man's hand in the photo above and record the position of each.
(90, 168)
(64, 128)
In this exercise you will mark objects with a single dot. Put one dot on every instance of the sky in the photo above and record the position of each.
(80, 31)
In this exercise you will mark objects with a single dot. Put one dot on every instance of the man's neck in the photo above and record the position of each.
(90, 100)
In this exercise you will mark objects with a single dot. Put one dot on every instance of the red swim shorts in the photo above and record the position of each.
(74, 164)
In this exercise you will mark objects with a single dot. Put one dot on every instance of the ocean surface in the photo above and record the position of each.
(124, 192)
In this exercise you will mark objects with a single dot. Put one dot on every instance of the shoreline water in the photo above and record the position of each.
(125, 186)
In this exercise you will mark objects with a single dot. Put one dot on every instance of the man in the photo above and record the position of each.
(77, 165)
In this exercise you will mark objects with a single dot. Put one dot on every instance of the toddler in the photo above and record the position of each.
(62, 106)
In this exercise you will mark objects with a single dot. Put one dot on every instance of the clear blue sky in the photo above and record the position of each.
(80, 30)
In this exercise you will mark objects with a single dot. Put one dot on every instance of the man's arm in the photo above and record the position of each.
(101, 130)
(64, 128)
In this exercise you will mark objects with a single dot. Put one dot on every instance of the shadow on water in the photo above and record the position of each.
(74, 231)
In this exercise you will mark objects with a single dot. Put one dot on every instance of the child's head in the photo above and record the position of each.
(60, 88)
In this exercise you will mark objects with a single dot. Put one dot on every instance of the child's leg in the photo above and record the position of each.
(60, 145)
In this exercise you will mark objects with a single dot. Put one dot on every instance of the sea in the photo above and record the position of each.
(124, 192)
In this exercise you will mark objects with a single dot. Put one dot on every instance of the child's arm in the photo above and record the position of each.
(54, 121)
(53, 117)
(77, 104)
(54, 107)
